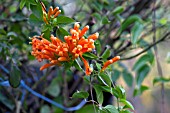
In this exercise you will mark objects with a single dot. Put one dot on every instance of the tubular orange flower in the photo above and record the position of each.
(87, 67)
(57, 51)
(57, 13)
(51, 13)
(47, 65)
(109, 62)
(55, 10)
(77, 43)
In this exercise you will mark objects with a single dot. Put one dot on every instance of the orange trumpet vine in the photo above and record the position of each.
(109, 62)
(50, 14)
(57, 51)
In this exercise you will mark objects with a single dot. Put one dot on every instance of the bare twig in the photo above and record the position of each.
(156, 56)
(91, 93)
(150, 46)
(18, 106)
(75, 84)
(65, 88)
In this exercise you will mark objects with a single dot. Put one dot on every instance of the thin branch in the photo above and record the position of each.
(118, 51)
(156, 56)
(91, 93)
(75, 84)
(65, 88)
(147, 48)
(18, 106)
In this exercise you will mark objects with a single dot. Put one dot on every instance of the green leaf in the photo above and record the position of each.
(97, 16)
(106, 1)
(105, 79)
(64, 20)
(87, 109)
(161, 80)
(105, 20)
(33, 2)
(142, 61)
(98, 66)
(7, 102)
(96, 6)
(140, 90)
(98, 46)
(87, 79)
(11, 34)
(142, 73)
(106, 53)
(45, 27)
(128, 78)
(99, 94)
(61, 33)
(125, 111)
(33, 20)
(115, 75)
(54, 88)
(130, 20)
(110, 109)
(15, 76)
(22, 3)
(119, 92)
(80, 94)
(163, 21)
(45, 109)
(2, 32)
(89, 56)
(127, 103)
(115, 93)
(118, 10)
(104, 88)
(77, 65)
(37, 11)
(47, 34)
(136, 32)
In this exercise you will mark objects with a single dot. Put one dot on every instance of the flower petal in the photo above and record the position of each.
(46, 66)
(87, 67)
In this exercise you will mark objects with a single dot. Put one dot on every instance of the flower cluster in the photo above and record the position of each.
(51, 13)
(57, 51)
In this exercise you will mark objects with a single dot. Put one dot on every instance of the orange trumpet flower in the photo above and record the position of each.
(50, 14)
(109, 62)
(57, 51)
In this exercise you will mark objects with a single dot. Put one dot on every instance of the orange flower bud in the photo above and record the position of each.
(87, 67)
(57, 13)
(55, 10)
(76, 26)
(94, 36)
(111, 61)
(45, 20)
(46, 66)
(83, 31)
(50, 12)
